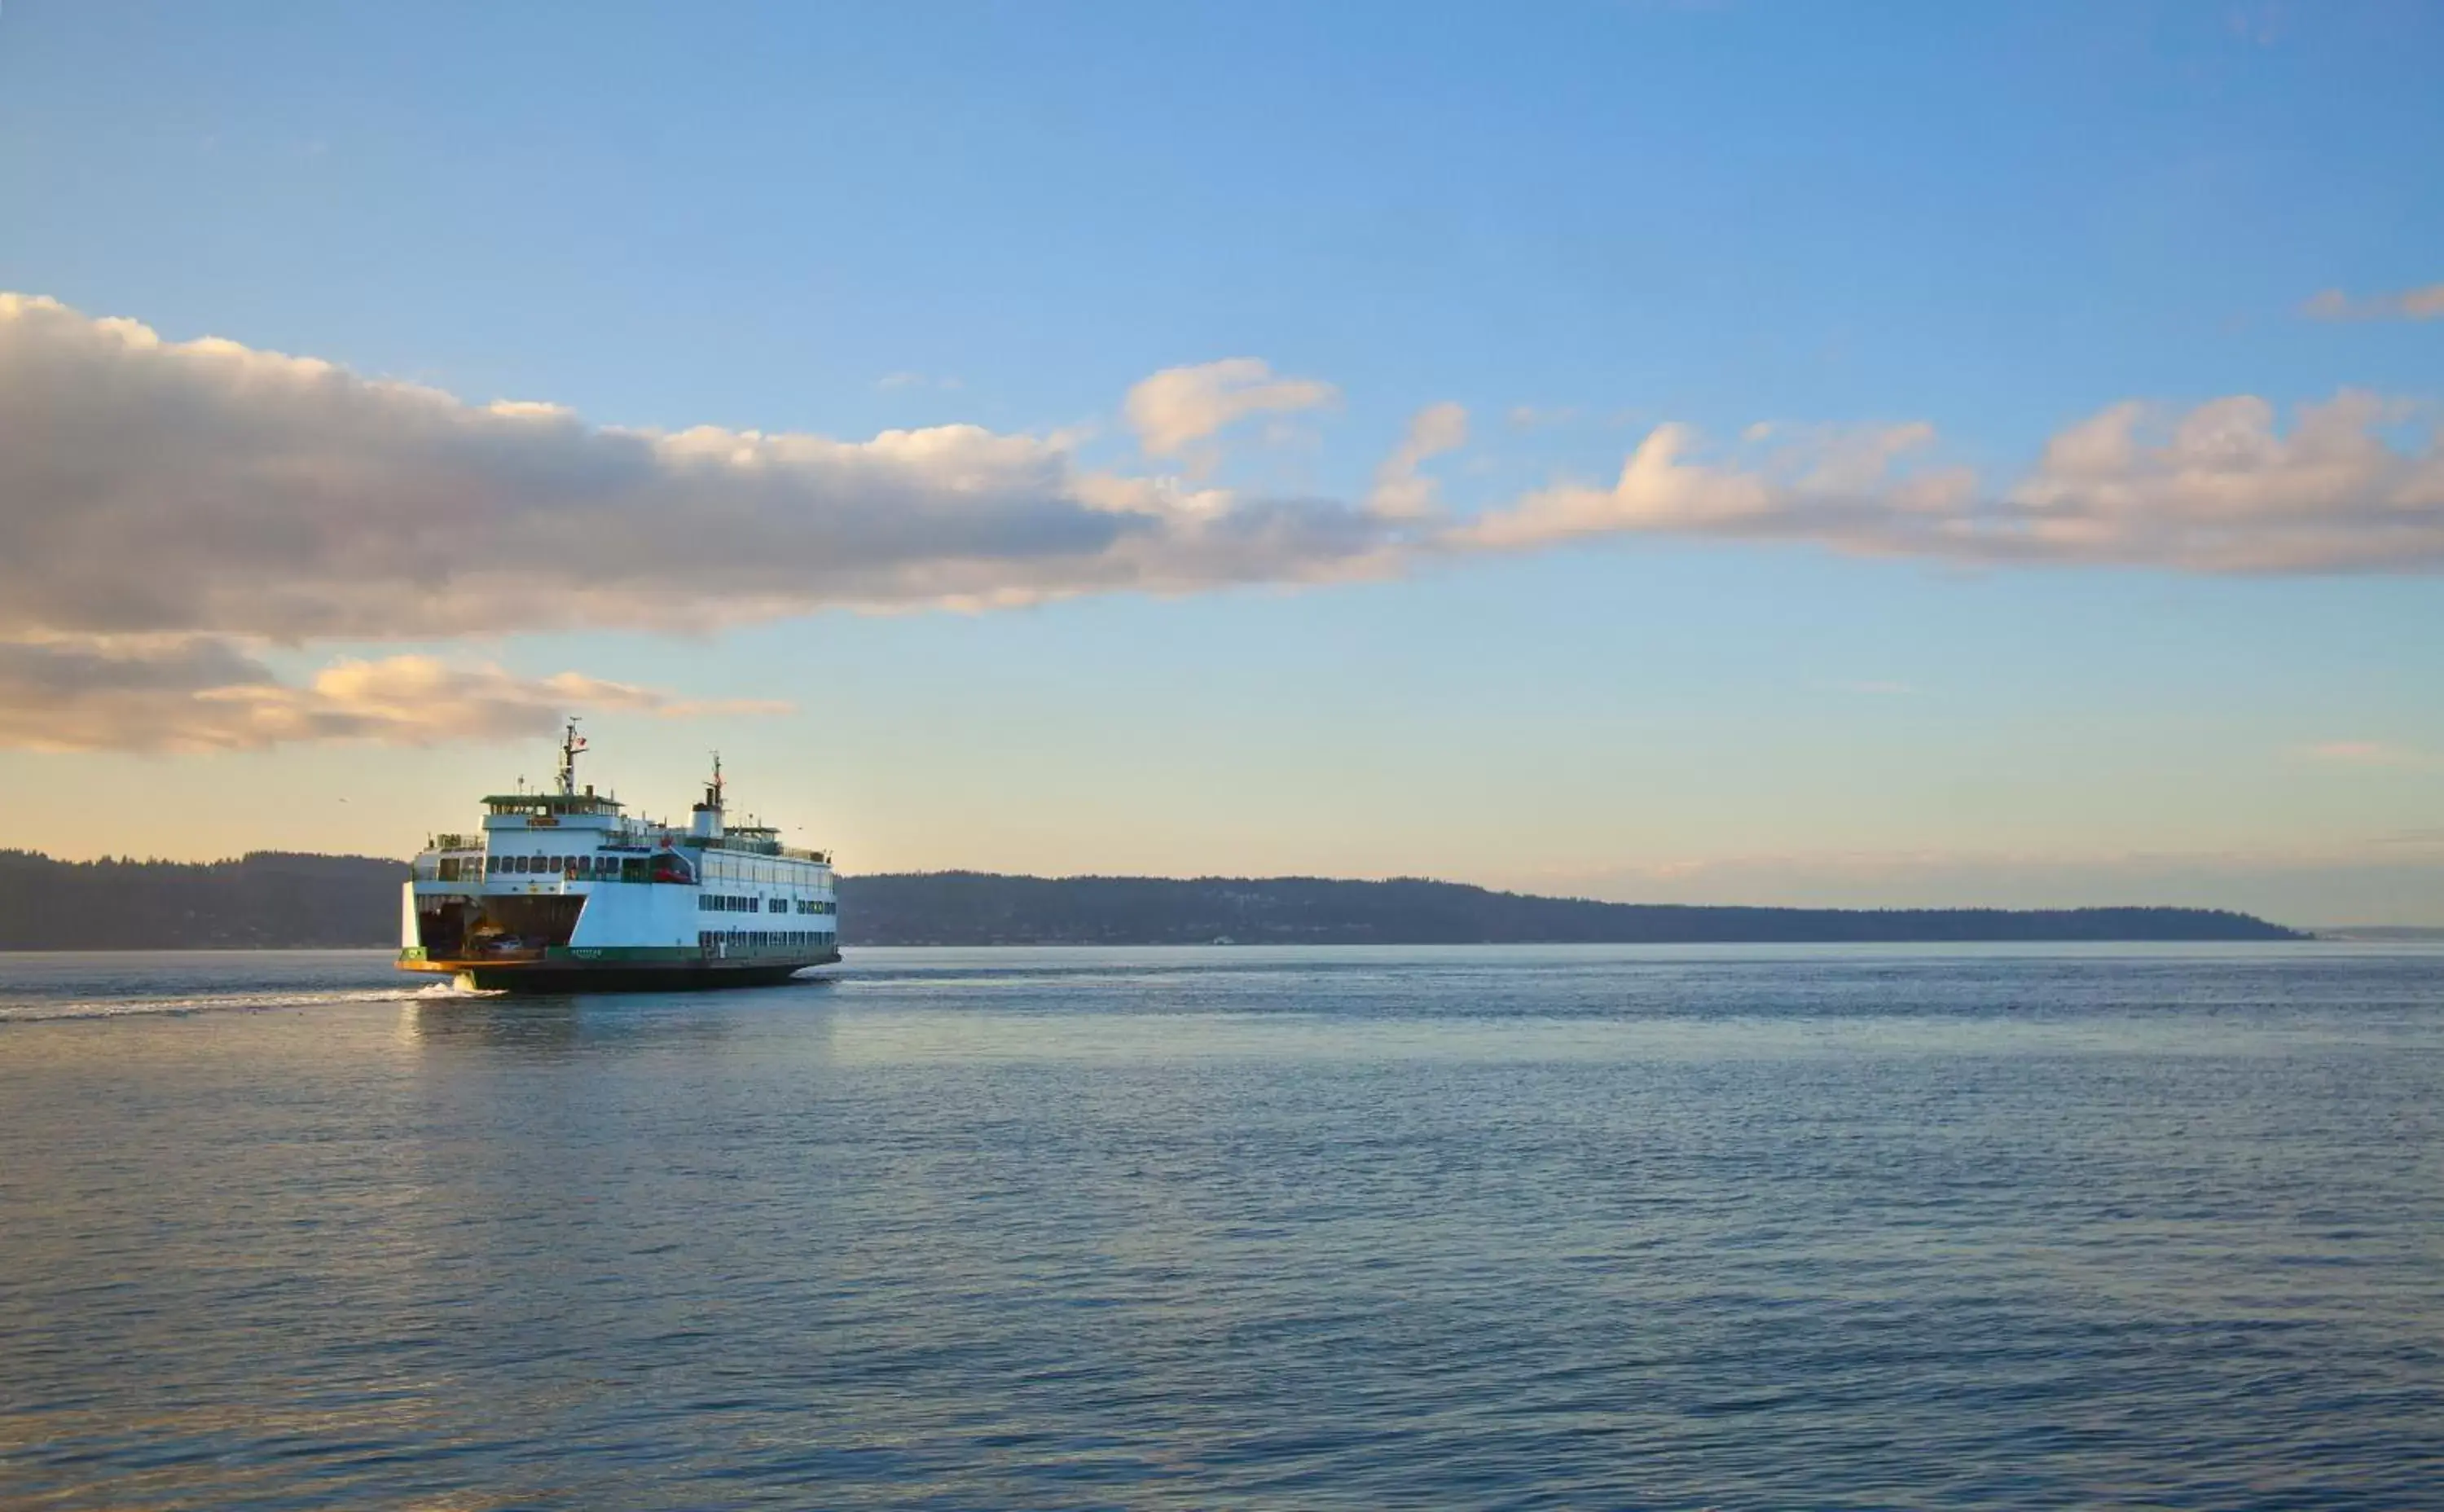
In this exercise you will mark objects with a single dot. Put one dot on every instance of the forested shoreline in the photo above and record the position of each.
(271, 899)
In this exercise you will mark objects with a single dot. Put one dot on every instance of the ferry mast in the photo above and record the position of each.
(570, 744)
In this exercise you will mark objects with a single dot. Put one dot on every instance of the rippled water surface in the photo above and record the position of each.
(1594, 1228)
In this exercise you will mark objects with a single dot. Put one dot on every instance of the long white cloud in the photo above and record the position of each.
(208, 497)
(205, 487)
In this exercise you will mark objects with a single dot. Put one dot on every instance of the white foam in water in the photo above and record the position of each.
(450, 989)
(37, 1011)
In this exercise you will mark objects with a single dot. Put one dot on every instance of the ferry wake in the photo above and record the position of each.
(562, 891)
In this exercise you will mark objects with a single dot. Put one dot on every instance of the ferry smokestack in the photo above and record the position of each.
(707, 825)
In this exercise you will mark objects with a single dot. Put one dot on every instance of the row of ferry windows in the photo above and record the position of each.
(553, 865)
(727, 903)
(605, 866)
(708, 938)
(721, 866)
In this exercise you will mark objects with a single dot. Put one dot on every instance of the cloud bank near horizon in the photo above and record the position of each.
(167, 508)
(203, 693)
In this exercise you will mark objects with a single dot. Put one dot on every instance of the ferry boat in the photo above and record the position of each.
(564, 892)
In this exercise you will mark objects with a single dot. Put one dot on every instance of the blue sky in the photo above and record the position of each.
(1577, 223)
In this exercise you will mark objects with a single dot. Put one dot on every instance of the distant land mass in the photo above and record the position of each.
(272, 899)
(978, 907)
(264, 900)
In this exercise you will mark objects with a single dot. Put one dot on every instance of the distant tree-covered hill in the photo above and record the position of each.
(267, 898)
(273, 898)
(972, 907)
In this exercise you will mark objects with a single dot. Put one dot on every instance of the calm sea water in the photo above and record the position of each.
(1592, 1227)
